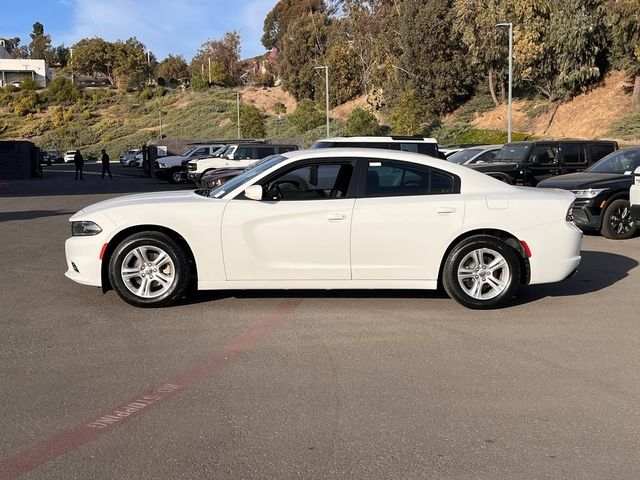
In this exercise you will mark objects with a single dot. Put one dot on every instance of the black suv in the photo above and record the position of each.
(527, 163)
(602, 194)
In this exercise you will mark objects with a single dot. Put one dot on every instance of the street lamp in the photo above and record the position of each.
(510, 25)
(209, 70)
(160, 121)
(326, 82)
(237, 94)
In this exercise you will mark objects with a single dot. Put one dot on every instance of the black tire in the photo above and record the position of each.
(617, 223)
(175, 175)
(178, 269)
(482, 276)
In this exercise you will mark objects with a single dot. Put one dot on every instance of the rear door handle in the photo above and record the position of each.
(446, 210)
(336, 217)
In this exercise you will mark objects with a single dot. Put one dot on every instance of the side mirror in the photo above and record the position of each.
(254, 192)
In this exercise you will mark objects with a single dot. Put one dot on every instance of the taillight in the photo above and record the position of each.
(570, 217)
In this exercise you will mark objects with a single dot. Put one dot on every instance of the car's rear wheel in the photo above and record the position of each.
(617, 222)
(149, 269)
(482, 272)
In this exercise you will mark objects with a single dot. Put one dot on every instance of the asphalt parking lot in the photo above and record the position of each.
(300, 384)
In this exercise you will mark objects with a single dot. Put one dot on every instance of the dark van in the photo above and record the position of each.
(527, 163)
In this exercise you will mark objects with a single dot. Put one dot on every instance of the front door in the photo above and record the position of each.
(299, 231)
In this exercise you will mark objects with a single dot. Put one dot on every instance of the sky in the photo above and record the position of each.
(164, 26)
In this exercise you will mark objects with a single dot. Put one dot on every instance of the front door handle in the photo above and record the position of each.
(336, 217)
(446, 210)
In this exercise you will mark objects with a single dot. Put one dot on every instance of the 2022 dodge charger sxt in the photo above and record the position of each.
(331, 219)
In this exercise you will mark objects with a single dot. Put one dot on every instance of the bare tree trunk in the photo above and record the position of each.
(492, 88)
(503, 92)
(635, 98)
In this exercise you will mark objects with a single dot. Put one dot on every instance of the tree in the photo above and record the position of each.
(432, 61)
(94, 56)
(475, 21)
(303, 48)
(61, 55)
(40, 46)
(173, 68)
(623, 19)
(307, 116)
(560, 46)
(62, 90)
(282, 15)
(11, 44)
(362, 122)
(226, 51)
(344, 79)
(219, 74)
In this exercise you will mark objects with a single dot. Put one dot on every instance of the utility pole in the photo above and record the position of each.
(510, 25)
(326, 83)
(237, 94)
(160, 120)
(149, 65)
(209, 70)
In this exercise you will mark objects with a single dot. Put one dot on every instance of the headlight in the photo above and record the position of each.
(589, 192)
(161, 165)
(84, 229)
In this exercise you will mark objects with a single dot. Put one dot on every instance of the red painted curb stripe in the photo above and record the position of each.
(56, 446)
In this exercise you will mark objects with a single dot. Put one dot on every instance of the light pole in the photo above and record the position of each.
(160, 121)
(237, 94)
(209, 70)
(510, 25)
(326, 83)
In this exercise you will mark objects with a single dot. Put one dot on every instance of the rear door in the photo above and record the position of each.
(574, 157)
(543, 162)
(404, 218)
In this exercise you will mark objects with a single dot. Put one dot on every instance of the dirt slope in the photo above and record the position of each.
(264, 98)
(587, 116)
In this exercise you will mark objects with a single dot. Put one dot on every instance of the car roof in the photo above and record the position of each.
(393, 139)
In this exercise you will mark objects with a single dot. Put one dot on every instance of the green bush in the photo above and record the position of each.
(62, 90)
(627, 127)
(407, 117)
(279, 108)
(28, 83)
(26, 103)
(307, 116)
(462, 133)
(362, 122)
(252, 122)
(199, 83)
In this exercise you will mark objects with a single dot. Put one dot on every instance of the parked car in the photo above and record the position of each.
(423, 145)
(602, 194)
(330, 219)
(69, 156)
(634, 196)
(473, 155)
(53, 156)
(527, 163)
(132, 158)
(215, 177)
(174, 167)
(449, 150)
(235, 156)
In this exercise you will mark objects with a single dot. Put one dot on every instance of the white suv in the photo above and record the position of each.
(423, 145)
(634, 195)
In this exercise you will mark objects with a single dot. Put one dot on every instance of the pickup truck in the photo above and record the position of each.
(174, 167)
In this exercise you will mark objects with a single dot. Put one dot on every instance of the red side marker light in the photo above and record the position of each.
(102, 250)
(527, 250)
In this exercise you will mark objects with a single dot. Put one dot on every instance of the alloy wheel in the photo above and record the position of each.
(484, 274)
(148, 271)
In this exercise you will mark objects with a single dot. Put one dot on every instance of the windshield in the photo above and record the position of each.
(219, 152)
(512, 153)
(464, 155)
(247, 175)
(187, 151)
(622, 162)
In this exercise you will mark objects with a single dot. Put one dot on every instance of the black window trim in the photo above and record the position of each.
(351, 191)
(361, 174)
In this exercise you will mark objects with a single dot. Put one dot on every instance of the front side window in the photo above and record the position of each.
(620, 163)
(463, 155)
(310, 182)
(243, 153)
(200, 151)
(262, 152)
(394, 179)
(601, 150)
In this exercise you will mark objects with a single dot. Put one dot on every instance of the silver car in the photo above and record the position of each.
(473, 155)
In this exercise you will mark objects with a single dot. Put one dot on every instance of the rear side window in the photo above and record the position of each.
(396, 179)
(243, 153)
(574, 153)
(600, 150)
(427, 149)
(262, 152)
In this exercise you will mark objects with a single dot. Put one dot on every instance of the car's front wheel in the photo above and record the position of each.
(617, 223)
(149, 269)
(176, 176)
(482, 272)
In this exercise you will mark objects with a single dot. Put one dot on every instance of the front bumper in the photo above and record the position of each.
(163, 173)
(83, 260)
(587, 214)
(194, 177)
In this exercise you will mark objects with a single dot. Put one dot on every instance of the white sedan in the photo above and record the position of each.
(331, 219)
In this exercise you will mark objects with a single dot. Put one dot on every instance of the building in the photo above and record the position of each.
(13, 70)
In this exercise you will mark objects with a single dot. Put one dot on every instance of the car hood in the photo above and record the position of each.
(494, 166)
(158, 198)
(171, 158)
(582, 180)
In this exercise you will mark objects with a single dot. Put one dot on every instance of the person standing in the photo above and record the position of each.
(79, 163)
(106, 167)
